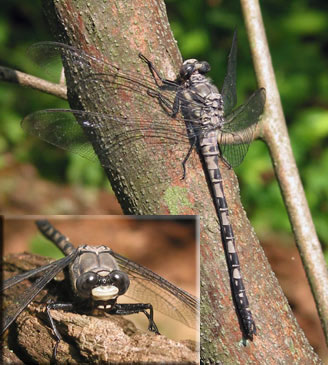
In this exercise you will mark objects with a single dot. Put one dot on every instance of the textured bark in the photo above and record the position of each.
(118, 30)
(86, 339)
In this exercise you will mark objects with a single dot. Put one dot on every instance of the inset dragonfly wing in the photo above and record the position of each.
(148, 287)
(20, 303)
(228, 91)
(8, 283)
(238, 129)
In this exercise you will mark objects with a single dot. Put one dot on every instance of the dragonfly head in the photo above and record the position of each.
(191, 66)
(103, 285)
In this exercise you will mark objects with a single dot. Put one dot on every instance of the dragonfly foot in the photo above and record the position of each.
(153, 328)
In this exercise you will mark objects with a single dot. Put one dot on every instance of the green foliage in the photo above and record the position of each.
(82, 171)
(298, 37)
(21, 25)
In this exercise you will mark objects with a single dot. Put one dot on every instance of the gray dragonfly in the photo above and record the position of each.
(201, 117)
(99, 276)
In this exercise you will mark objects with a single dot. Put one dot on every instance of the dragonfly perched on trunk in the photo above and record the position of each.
(99, 277)
(200, 116)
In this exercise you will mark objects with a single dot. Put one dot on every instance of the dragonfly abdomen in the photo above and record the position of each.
(210, 151)
(61, 241)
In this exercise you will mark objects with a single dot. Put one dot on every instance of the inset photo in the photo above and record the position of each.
(109, 289)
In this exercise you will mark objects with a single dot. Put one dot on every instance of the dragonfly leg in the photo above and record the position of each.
(162, 101)
(192, 146)
(124, 309)
(63, 306)
(156, 75)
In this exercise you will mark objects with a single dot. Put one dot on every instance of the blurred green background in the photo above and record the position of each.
(298, 37)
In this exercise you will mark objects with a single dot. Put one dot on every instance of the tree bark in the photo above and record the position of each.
(118, 31)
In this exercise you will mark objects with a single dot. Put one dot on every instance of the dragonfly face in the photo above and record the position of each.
(95, 275)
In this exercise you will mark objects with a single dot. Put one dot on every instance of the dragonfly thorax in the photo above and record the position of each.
(201, 101)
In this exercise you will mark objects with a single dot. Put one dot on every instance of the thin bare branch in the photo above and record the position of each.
(21, 78)
(276, 136)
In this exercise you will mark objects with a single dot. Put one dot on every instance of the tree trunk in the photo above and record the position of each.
(118, 31)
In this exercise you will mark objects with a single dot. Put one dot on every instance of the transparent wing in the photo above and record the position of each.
(20, 303)
(148, 287)
(238, 129)
(115, 139)
(26, 275)
(51, 56)
(60, 128)
(73, 129)
(228, 91)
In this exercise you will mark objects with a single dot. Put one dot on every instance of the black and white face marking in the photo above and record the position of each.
(191, 66)
(95, 275)
(102, 286)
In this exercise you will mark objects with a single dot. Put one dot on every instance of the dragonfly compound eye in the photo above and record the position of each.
(186, 70)
(86, 282)
(120, 280)
(203, 67)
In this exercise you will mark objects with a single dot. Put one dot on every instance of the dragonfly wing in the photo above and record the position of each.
(228, 92)
(132, 96)
(20, 303)
(59, 127)
(51, 56)
(26, 275)
(148, 287)
(113, 138)
(238, 129)
(96, 73)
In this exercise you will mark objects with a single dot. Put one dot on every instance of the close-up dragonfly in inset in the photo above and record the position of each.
(99, 277)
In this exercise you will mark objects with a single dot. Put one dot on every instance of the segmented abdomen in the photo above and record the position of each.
(210, 151)
(55, 236)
